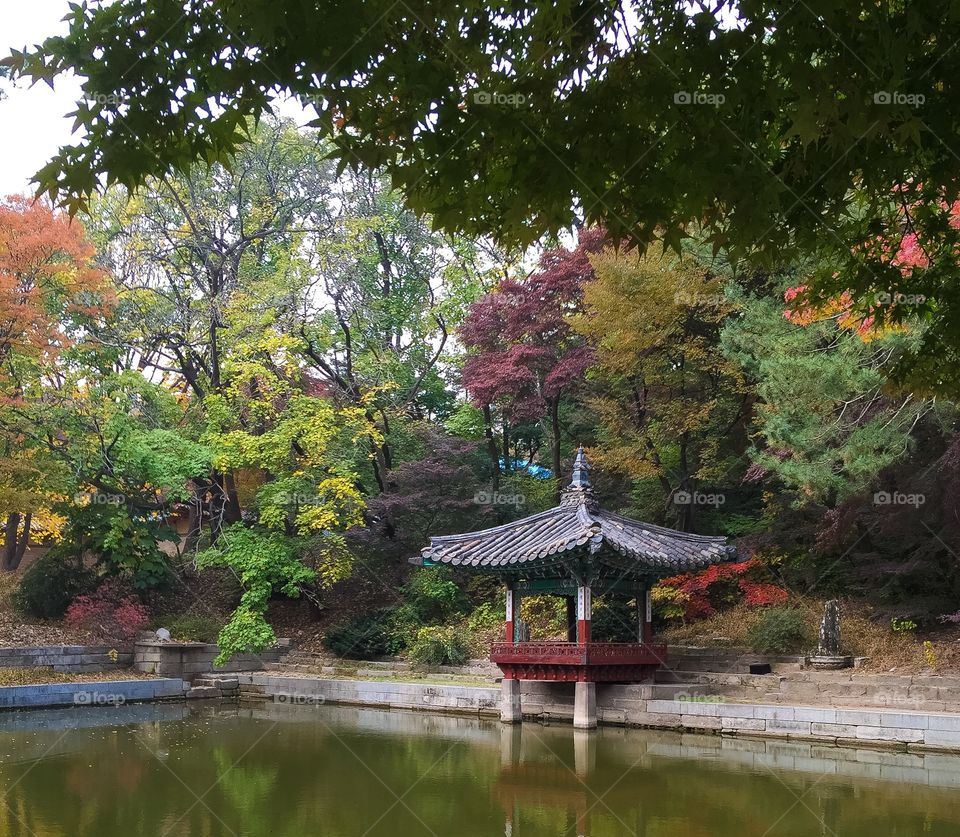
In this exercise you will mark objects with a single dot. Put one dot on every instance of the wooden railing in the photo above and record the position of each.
(579, 654)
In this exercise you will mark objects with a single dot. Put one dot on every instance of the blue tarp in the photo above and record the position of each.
(537, 471)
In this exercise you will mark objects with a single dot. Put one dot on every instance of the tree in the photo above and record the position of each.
(520, 119)
(524, 354)
(671, 407)
(828, 419)
(212, 263)
(432, 490)
(51, 296)
(390, 293)
(124, 457)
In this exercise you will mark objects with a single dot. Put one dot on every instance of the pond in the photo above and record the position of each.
(270, 769)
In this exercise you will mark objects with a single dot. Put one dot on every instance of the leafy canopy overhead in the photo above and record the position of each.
(777, 129)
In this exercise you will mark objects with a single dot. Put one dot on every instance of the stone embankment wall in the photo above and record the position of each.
(75, 659)
(307, 691)
(114, 693)
(836, 689)
(631, 706)
(102, 693)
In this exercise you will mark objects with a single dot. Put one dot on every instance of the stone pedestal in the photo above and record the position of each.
(510, 701)
(585, 706)
(829, 656)
(830, 662)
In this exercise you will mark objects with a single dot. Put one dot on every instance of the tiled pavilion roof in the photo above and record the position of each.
(575, 531)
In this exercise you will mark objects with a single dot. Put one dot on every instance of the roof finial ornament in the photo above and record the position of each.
(581, 470)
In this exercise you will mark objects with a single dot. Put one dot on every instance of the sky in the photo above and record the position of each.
(32, 122)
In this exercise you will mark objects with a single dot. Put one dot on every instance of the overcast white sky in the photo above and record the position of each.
(32, 125)
(32, 122)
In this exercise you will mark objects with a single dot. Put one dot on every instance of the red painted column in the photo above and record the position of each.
(508, 624)
(584, 613)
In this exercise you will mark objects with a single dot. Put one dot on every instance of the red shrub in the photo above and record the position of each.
(760, 594)
(112, 610)
(724, 585)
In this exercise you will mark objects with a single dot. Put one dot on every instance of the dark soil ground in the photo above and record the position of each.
(16, 630)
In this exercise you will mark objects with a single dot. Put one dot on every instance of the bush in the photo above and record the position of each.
(546, 616)
(51, 583)
(434, 595)
(780, 630)
(669, 604)
(401, 628)
(122, 544)
(192, 627)
(112, 609)
(487, 616)
(700, 595)
(438, 646)
(362, 637)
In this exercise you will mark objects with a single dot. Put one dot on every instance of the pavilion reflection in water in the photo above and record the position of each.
(575, 550)
(539, 775)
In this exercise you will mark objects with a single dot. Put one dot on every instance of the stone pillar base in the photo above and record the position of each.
(585, 706)
(830, 662)
(510, 712)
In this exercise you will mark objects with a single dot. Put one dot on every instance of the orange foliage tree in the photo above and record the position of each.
(52, 294)
(884, 311)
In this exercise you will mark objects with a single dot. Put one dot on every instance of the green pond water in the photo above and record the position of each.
(281, 771)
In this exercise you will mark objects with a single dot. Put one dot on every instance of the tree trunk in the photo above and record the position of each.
(10, 541)
(194, 524)
(491, 446)
(687, 511)
(15, 540)
(234, 514)
(24, 539)
(555, 444)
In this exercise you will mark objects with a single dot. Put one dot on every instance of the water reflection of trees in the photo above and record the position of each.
(279, 772)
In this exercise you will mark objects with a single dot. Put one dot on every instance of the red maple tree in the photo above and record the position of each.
(524, 353)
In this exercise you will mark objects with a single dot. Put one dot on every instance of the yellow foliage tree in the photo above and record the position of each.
(666, 396)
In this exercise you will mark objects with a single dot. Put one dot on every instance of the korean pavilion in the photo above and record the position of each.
(575, 550)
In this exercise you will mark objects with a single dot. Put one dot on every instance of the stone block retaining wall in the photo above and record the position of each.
(68, 658)
(305, 691)
(114, 693)
(919, 730)
(927, 693)
(630, 706)
(103, 693)
(189, 660)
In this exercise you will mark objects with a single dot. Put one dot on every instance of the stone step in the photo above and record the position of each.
(315, 663)
(731, 665)
(224, 683)
(330, 659)
(736, 660)
(202, 692)
(761, 682)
